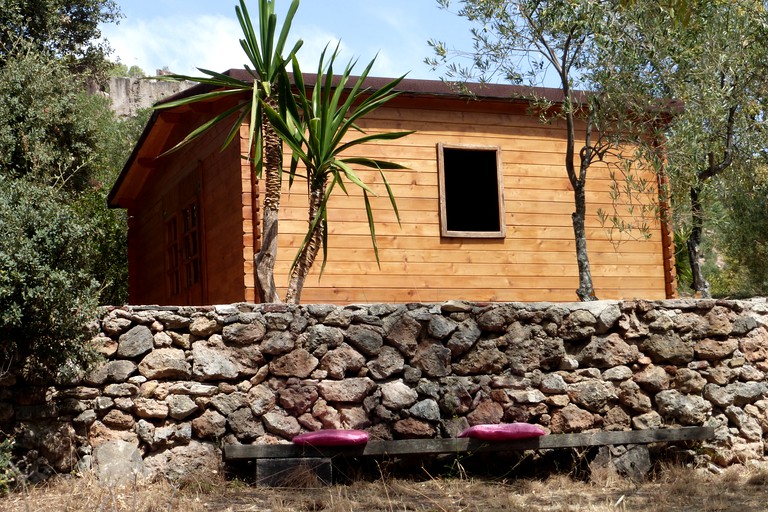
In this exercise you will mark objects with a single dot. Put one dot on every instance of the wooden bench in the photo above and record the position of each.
(273, 459)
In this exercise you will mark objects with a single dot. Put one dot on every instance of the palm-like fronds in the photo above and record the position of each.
(316, 127)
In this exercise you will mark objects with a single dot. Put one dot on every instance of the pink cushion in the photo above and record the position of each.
(332, 438)
(504, 432)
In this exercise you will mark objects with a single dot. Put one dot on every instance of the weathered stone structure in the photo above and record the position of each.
(178, 383)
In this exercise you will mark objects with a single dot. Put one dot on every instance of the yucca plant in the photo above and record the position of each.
(267, 68)
(315, 127)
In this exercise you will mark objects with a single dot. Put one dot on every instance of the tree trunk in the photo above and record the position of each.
(307, 257)
(693, 244)
(586, 291)
(264, 261)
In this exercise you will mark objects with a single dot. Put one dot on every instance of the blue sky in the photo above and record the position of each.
(185, 34)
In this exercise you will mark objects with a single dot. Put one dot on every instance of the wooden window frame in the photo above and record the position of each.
(444, 231)
(183, 250)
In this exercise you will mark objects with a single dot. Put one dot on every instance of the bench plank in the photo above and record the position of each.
(459, 445)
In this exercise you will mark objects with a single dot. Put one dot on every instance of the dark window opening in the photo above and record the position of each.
(471, 203)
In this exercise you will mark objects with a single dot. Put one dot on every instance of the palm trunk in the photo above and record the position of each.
(264, 260)
(309, 252)
(700, 285)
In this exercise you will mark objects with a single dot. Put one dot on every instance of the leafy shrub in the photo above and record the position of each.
(47, 295)
(8, 472)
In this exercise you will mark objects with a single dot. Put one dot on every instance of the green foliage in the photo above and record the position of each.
(65, 29)
(120, 70)
(43, 134)
(47, 295)
(8, 472)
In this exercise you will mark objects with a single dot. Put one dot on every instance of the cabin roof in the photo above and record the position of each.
(407, 88)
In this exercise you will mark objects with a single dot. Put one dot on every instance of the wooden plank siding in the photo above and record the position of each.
(535, 261)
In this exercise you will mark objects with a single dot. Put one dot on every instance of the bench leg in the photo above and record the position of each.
(294, 472)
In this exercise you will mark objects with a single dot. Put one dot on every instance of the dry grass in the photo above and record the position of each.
(673, 488)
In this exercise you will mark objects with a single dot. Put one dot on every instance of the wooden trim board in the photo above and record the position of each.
(457, 445)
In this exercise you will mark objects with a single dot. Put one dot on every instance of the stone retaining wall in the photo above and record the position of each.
(178, 383)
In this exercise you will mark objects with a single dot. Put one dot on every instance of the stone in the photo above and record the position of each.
(433, 359)
(755, 345)
(398, 395)
(115, 326)
(194, 462)
(180, 406)
(412, 428)
(298, 363)
(172, 321)
(484, 358)
(718, 395)
(634, 398)
(210, 424)
(687, 409)
(278, 320)
(353, 417)
(118, 420)
(487, 411)
(99, 433)
(743, 324)
(135, 342)
(281, 425)
(571, 418)
(715, 350)
(653, 379)
(578, 325)
(244, 334)
(117, 463)
(748, 426)
(553, 383)
(227, 403)
(350, 390)
(114, 390)
(213, 360)
(526, 396)
(616, 419)
(244, 425)
(181, 340)
(298, 400)
(455, 401)
(165, 363)
(440, 327)
(632, 462)
(327, 415)
(530, 349)
(455, 306)
(192, 389)
(649, 420)
(389, 362)
(667, 348)
(425, 410)
(720, 375)
(618, 373)
(689, 381)
(464, 337)
(162, 339)
(203, 327)
(146, 432)
(120, 370)
(608, 318)
(717, 322)
(261, 399)
(148, 408)
(607, 352)
(278, 342)
(404, 335)
(747, 392)
(365, 339)
(593, 395)
(319, 335)
(340, 361)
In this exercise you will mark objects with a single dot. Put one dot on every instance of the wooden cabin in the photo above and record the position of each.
(485, 208)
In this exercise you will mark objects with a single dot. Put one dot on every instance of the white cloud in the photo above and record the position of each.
(181, 44)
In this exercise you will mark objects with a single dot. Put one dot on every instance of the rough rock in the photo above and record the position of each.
(117, 463)
(244, 334)
(342, 361)
(404, 335)
(389, 362)
(136, 342)
(364, 339)
(607, 352)
(687, 409)
(165, 363)
(194, 462)
(298, 363)
(667, 348)
(349, 390)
